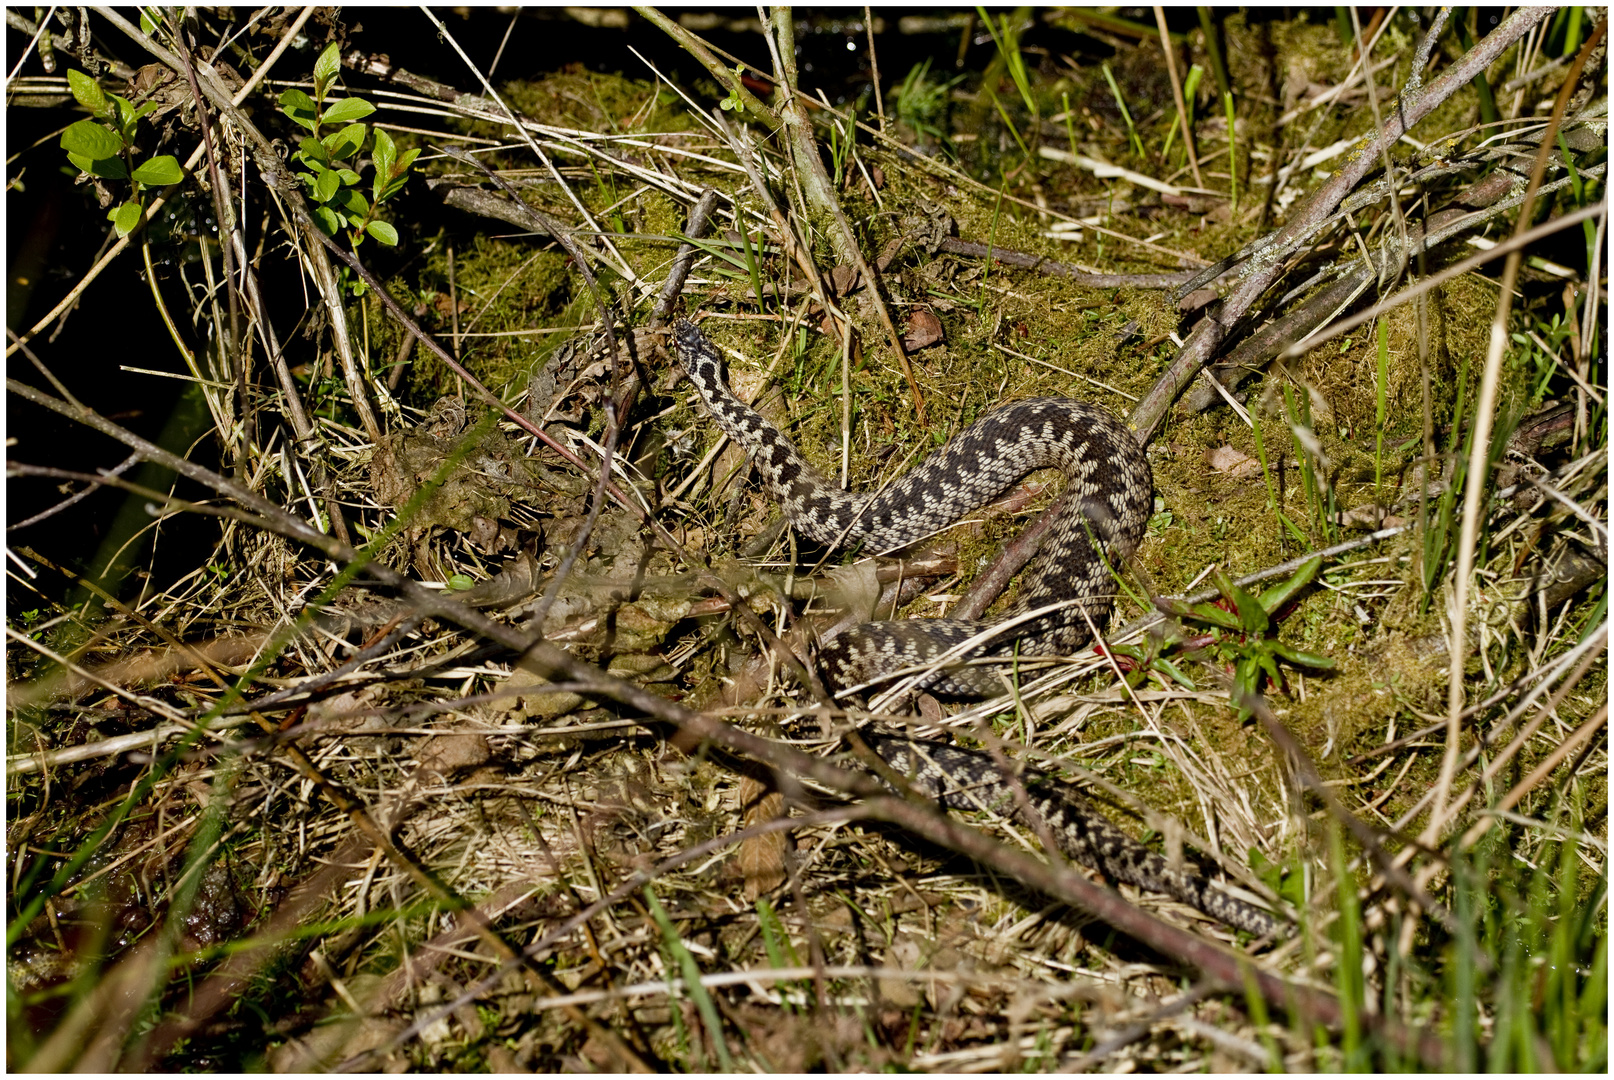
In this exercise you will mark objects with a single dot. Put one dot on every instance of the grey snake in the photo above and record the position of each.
(1068, 594)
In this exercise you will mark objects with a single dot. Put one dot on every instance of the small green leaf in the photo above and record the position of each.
(1303, 658)
(345, 143)
(326, 184)
(1215, 616)
(1280, 594)
(1269, 663)
(300, 107)
(1166, 667)
(148, 25)
(461, 583)
(126, 218)
(91, 140)
(1284, 879)
(1246, 685)
(384, 156)
(1252, 616)
(326, 219)
(106, 168)
(350, 201)
(126, 115)
(384, 233)
(347, 176)
(326, 67)
(346, 110)
(1246, 676)
(313, 152)
(159, 171)
(1204, 613)
(400, 175)
(86, 91)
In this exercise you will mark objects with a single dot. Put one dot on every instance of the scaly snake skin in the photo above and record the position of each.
(1107, 502)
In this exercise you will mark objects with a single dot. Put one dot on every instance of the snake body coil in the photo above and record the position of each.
(1107, 502)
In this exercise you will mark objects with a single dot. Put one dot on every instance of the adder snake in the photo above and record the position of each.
(1067, 594)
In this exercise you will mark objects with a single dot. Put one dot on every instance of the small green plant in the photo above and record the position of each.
(746, 266)
(1070, 127)
(776, 942)
(1241, 626)
(105, 149)
(1489, 114)
(1314, 463)
(329, 156)
(1232, 151)
(733, 103)
(1287, 879)
(685, 964)
(1190, 87)
(753, 263)
(843, 143)
(923, 105)
(1126, 114)
(1008, 46)
(1273, 502)
(1151, 660)
(1542, 351)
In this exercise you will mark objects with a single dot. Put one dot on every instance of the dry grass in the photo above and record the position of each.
(281, 812)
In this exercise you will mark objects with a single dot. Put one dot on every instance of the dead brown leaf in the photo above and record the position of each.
(924, 329)
(1235, 463)
(760, 859)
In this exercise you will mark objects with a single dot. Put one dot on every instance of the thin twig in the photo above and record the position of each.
(1176, 93)
(874, 66)
(1084, 278)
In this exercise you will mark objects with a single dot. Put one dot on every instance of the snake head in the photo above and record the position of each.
(692, 345)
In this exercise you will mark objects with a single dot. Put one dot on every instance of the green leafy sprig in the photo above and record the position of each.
(104, 147)
(1242, 626)
(329, 157)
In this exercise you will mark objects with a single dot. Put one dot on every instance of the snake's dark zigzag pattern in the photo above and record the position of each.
(970, 780)
(1108, 498)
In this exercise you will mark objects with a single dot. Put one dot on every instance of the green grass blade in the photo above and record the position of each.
(692, 979)
(1126, 114)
